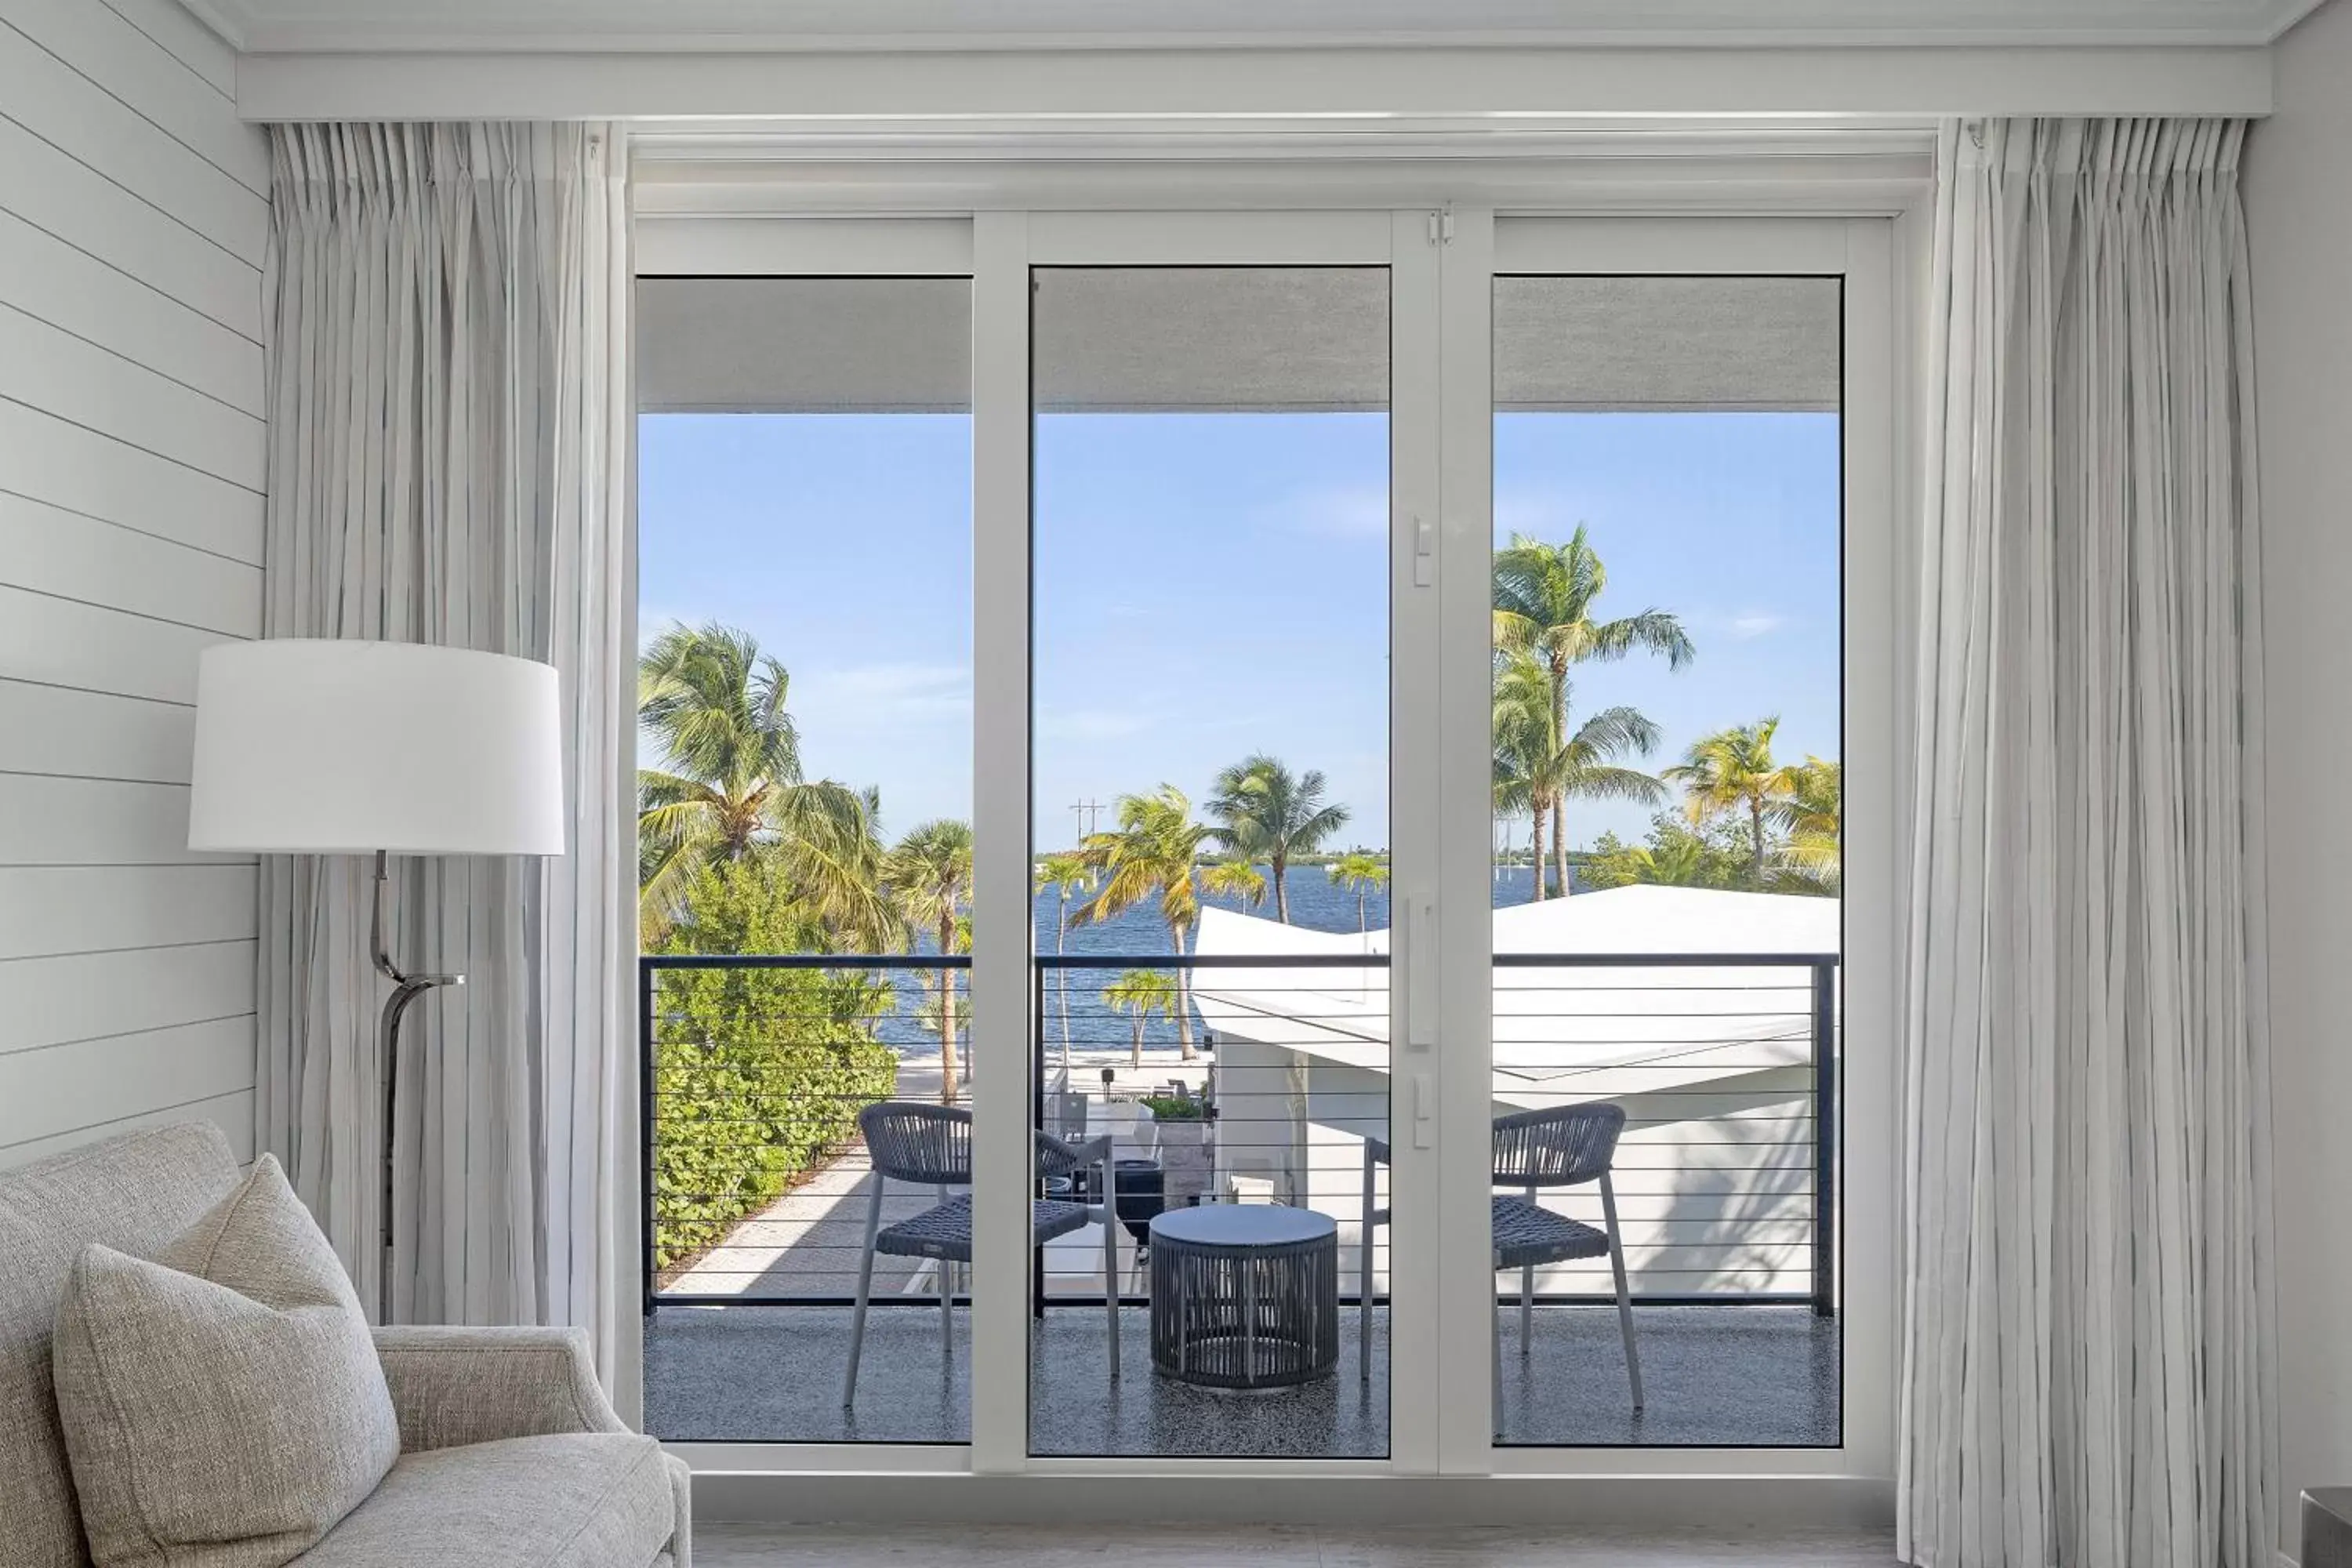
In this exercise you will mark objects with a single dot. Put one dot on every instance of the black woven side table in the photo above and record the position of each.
(1244, 1295)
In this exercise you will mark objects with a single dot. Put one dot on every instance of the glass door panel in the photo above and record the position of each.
(1212, 559)
(805, 582)
(1667, 738)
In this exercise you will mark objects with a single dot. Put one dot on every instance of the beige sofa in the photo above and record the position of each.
(511, 1454)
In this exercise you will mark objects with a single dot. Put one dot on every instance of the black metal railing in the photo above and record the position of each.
(754, 1067)
(752, 1071)
(1727, 1063)
(1704, 1037)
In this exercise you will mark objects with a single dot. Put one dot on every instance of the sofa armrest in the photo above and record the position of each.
(452, 1386)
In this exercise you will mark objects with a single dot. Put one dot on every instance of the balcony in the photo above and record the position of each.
(1723, 1063)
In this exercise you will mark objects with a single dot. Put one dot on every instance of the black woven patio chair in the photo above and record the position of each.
(1563, 1147)
(930, 1146)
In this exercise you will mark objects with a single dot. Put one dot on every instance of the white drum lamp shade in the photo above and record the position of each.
(340, 747)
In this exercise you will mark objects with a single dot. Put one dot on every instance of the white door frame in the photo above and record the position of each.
(1862, 253)
(1440, 381)
(1400, 242)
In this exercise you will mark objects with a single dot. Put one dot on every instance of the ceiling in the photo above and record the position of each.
(267, 26)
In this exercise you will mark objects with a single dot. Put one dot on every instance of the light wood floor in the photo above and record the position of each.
(1274, 1546)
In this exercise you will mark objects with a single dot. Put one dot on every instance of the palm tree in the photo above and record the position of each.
(1362, 873)
(712, 707)
(1140, 993)
(1544, 596)
(1154, 853)
(1537, 767)
(1263, 813)
(928, 873)
(1066, 874)
(1236, 879)
(1814, 818)
(1523, 751)
(1733, 770)
(1679, 862)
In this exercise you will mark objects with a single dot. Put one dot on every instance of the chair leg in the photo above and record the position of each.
(1364, 1280)
(1528, 1293)
(1625, 1296)
(864, 1289)
(1495, 1341)
(1526, 1307)
(1110, 1263)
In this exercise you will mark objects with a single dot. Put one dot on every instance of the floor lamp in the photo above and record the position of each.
(336, 747)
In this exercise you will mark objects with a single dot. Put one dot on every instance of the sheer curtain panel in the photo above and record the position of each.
(448, 464)
(2088, 1361)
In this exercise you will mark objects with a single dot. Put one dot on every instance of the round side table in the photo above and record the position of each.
(1244, 1295)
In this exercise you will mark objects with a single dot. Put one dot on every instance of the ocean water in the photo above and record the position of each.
(1316, 903)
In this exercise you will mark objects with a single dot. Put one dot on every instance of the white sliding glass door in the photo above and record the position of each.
(1669, 439)
(1374, 923)
(1215, 465)
(806, 590)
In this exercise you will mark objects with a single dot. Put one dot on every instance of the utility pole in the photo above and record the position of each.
(1087, 812)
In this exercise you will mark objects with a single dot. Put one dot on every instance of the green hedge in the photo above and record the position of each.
(759, 1073)
(743, 1113)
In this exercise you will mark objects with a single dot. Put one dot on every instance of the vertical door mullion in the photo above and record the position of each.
(1414, 500)
(1876, 607)
(1463, 746)
(1001, 1001)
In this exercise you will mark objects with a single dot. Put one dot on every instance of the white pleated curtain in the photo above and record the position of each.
(448, 310)
(2087, 1364)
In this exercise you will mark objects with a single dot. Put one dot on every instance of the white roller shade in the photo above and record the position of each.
(1230, 338)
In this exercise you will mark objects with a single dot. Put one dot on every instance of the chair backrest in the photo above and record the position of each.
(930, 1145)
(1556, 1148)
(134, 1193)
(909, 1141)
(1059, 1157)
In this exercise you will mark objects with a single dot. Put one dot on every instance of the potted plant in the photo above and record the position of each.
(1186, 1131)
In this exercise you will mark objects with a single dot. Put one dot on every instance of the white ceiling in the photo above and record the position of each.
(715, 25)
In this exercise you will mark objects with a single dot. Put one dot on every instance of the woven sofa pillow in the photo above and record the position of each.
(223, 1405)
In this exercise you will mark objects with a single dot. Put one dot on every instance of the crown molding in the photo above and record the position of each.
(2283, 15)
(228, 20)
(838, 27)
(1296, 86)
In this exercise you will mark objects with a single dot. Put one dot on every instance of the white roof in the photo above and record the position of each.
(1561, 1031)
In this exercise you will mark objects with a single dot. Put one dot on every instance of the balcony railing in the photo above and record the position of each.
(754, 1069)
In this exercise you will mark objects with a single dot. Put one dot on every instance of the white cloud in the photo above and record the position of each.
(1090, 723)
(1755, 624)
(1341, 512)
(879, 695)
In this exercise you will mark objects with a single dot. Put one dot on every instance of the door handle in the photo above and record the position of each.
(1419, 935)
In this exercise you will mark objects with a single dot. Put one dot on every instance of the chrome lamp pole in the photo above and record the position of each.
(405, 988)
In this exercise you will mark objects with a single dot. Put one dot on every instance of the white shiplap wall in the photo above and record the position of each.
(133, 214)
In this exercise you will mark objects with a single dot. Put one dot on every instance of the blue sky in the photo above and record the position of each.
(1212, 585)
